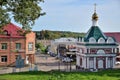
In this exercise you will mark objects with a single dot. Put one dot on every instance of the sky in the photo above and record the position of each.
(75, 15)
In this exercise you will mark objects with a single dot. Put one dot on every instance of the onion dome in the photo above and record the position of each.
(95, 16)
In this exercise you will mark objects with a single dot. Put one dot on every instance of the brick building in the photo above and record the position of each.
(14, 42)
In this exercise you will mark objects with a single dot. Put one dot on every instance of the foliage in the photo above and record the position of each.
(41, 47)
(37, 46)
(56, 75)
(24, 12)
(47, 34)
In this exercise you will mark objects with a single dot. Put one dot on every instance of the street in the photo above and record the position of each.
(47, 63)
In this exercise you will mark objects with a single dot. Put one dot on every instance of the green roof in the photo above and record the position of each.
(95, 32)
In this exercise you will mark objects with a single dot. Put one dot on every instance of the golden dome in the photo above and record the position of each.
(95, 16)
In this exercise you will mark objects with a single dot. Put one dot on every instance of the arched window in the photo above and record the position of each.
(100, 52)
(92, 40)
(101, 40)
(110, 40)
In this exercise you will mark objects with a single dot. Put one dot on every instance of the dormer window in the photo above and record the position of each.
(101, 40)
(110, 40)
(5, 32)
(92, 40)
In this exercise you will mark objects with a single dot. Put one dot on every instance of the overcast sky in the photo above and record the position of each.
(75, 15)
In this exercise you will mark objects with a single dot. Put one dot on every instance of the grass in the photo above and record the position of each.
(56, 75)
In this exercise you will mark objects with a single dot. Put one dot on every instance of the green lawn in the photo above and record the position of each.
(56, 75)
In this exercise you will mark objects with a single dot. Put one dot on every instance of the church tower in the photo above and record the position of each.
(96, 51)
(94, 32)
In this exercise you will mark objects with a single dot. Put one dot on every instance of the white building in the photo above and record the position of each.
(66, 42)
(96, 50)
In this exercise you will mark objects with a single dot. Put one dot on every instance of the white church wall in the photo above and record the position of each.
(78, 60)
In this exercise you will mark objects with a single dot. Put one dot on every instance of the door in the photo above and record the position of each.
(91, 64)
(100, 64)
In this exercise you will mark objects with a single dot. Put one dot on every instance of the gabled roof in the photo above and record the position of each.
(12, 31)
(95, 32)
(116, 35)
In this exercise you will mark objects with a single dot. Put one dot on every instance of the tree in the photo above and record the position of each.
(41, 47)
(24, 12)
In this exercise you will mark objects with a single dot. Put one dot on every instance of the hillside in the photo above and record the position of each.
(47, 34)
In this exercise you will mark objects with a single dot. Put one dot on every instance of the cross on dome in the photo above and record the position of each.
(95, 7)
(95, 16)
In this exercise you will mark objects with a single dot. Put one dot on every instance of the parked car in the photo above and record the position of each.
(52, 54)
(117, 62)
(67, 59)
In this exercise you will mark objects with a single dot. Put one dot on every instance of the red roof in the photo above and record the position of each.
(12, 31)
(116, 35)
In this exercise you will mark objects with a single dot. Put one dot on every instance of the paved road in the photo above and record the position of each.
(47, 63)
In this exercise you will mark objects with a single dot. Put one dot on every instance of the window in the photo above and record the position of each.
(100, 52)
(101, 40)
(30, 46)
(3, 58)
(110, 40)
(4, 46)
(92, 40)
(18, 46)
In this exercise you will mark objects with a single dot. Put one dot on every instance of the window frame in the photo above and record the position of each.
(18, 48)
(4, 59)
(30, 46)
(4, 46)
